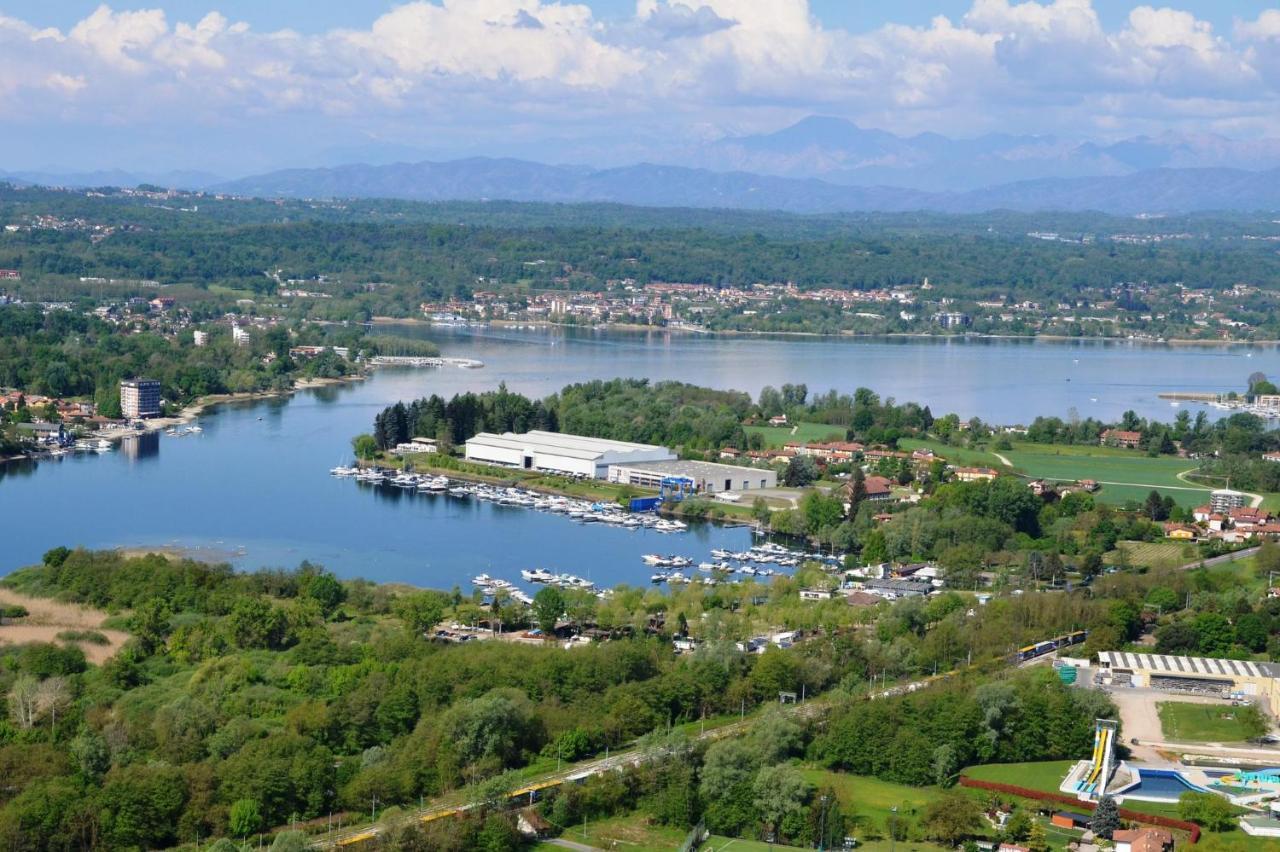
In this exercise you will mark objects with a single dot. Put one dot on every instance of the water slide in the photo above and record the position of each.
(1101, 748)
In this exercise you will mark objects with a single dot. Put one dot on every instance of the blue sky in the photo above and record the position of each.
(318, 15)
(235, 86)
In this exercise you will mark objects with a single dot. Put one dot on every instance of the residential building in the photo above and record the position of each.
(1144, 839)
(1121, 438)
(1271, 457)
(554, 452)
(816, 594)
(1181, 532)
(953, 319)
(975, 474)
(1224, 500)
(139, 398)
(239, 336)
(201, 338)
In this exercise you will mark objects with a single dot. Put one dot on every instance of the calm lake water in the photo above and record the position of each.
(254, 487)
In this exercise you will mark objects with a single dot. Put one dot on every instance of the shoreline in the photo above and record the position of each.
(922, 335)
(192, 410)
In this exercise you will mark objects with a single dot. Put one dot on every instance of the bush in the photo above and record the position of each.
(93, 637)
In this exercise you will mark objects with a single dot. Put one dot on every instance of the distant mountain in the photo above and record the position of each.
(1150, 191)
(838, 151)
(114, 177)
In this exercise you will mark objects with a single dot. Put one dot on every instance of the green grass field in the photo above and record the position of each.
(1124, 474)
(776, 436)
(1199, 723)
(1044, 775)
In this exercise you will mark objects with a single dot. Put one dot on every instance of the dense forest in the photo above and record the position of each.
(247, 701)
(666, 413)
(443, 249)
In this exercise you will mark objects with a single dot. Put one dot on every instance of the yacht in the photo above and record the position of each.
(343, 470)
(537, 575)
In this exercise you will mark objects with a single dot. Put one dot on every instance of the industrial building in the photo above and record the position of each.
(139, 398)
(702, 477)
(1197, 675)
(554, 452)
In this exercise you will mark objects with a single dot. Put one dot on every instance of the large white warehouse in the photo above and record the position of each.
(555, 452)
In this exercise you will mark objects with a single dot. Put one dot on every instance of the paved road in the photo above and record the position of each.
(569, 844)
(1221, 560)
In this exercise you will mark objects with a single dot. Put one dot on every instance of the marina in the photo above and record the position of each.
(254, 485)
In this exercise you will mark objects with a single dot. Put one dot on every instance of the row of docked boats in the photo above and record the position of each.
(584, 511)
(378, 476)
(493, 586)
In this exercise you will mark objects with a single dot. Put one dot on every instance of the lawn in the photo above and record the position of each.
(1044, 775)
(776, 436)
(1182, 721)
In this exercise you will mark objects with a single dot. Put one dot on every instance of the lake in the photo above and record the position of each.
(254, 486)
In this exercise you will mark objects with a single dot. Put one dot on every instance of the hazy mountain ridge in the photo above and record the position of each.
(1150, 191)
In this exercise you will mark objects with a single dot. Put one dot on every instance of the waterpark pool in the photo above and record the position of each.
(1161, 785)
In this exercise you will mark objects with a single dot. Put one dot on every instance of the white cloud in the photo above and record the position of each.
(682, 67)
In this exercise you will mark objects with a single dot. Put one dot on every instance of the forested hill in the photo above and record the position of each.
(449, 248)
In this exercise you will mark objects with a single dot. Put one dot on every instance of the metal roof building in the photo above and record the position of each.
(1204, 674)
(555, 452)
(706, 477)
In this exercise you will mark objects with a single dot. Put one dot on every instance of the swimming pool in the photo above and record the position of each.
(1161, 785)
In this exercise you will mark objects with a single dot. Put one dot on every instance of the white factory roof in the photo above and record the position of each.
(1187, 666)
(570, 446)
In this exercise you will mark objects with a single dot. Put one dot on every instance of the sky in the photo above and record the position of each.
(235, 87)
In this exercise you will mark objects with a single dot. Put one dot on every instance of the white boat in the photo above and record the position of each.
(537, 575)
(653, 559)
(343, 470)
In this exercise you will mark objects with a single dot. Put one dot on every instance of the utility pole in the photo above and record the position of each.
(893, 827)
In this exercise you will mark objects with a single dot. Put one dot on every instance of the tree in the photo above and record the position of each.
(857, 492)
(1214, 634)
(421, 611)
(325, 590)
(548, 606)
(1037, 841)
(1253, 724)
(1208, 810)
(760, 510)
(245, 817)
(1106, 818)
(291, 841)
(24, 700)
(365, 447)
(780, 791)
(150, 624)
(801, 471)
(951, 818)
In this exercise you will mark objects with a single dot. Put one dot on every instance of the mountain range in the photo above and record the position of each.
(817, 165)
(1149, 191)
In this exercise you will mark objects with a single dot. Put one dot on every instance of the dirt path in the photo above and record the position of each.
(48, 618)
(1003, 460)
(1255, 500)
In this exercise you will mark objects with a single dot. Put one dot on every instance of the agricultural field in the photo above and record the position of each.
(1124, 474)
(776, 436)
(1182, 721)
(1151, 554)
